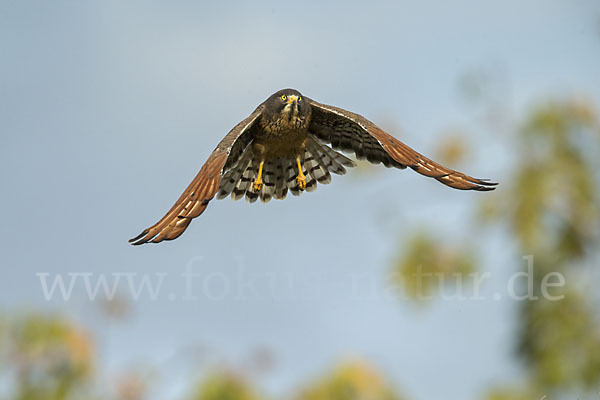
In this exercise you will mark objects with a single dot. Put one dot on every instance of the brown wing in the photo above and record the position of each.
(202, 189)
(348, 131)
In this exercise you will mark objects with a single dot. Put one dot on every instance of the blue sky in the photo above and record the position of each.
(110, 108)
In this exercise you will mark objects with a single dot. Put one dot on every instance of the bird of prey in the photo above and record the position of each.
(289, 143)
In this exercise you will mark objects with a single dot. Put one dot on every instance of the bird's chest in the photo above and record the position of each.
(284, 136)
(284, 142)
(284, 125)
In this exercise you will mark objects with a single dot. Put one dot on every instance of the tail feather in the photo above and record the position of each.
(279, 175)
(269, 180)
(280, 185)
(251, 194)
(290, 177)
(333, 160)
(318, 168)
(233, 175)
(244, 182)
(309, 167)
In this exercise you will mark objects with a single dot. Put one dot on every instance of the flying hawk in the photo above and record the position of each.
(289, 143)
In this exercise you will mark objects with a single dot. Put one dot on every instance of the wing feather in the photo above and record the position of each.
(195, 198)
(334, 125)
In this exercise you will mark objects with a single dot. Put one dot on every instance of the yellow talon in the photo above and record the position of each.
(258, 182)
(301, 179)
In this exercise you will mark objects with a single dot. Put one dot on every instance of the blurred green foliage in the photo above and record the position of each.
(552, 207)
(452, 148)
(350, 381)
(50, 358)
(3, 342)
(225, 386)
(426, 263)
(515, 393)
(560, 341)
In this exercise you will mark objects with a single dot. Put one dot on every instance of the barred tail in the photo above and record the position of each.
(231, 179)
(319, 161)
(329, 159)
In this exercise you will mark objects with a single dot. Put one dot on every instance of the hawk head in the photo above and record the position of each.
(287, 107)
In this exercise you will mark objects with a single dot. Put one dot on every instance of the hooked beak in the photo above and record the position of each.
(291, 107)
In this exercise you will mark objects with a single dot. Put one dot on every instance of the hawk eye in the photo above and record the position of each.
(299, 99)
(283, 97)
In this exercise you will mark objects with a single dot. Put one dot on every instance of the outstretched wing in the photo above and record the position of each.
(348, 131)
(203, 188)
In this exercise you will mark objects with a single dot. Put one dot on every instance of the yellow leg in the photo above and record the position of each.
(301, 179)
(258, 182)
